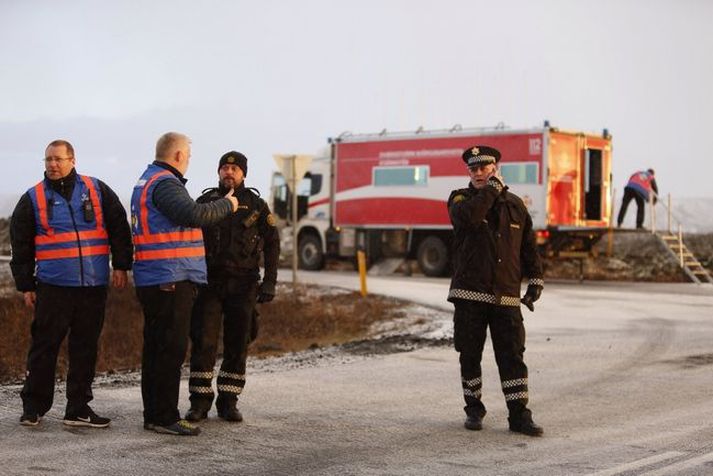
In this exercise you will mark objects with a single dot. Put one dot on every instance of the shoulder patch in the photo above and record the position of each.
(271, 219)
(458, 198)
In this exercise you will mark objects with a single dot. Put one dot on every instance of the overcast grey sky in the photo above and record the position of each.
(281, 76)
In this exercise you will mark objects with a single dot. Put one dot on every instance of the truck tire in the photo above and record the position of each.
(310, 255)
(432, 256)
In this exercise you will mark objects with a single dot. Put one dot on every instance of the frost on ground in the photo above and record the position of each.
(408, 327)
(417, 321)
(411, 326)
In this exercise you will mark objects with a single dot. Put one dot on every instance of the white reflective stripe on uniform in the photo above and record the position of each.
(230, 389)
(513, 301)
(509, 301)
(472, 382)
(515, 396)
(230, 375)
(514, 383)
(472, 295)
(197, 389)
(536, 282)
(472, 393)
(202, 375)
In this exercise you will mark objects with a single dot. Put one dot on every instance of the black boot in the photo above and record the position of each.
(523, 424)
(474, 417)
(230, 412)
(196, 414)
(473, 422)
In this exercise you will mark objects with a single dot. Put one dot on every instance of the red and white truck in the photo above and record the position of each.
(386, 193)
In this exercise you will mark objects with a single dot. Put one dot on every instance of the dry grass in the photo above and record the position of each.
(307, 319)
(292, 322)
(119, 345)
(15, 339)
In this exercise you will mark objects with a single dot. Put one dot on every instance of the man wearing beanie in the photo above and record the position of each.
(494, 250)
(233, 249)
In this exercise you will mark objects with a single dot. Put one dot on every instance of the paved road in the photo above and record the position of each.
(620, 379)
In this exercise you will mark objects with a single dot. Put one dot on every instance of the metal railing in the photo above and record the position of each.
(670, 221)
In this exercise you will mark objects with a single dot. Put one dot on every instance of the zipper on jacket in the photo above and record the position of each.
(79, 246)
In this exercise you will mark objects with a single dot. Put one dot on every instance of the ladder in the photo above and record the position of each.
(690, 265)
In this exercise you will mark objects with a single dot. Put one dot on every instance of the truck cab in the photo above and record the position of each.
(313, 211)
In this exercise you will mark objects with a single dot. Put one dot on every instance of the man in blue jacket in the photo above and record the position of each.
(62, 232)
(169, 264)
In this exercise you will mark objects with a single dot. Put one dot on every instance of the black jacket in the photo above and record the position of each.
(23, 230)
(172, 200)
(494, 246)
(234, 245)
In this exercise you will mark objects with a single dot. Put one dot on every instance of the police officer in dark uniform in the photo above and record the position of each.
(494, 249)
(233, 250)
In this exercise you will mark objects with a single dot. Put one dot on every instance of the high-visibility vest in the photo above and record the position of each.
(71, 247)
(163, 251)
(641, 182)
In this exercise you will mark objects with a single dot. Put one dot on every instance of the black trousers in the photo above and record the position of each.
(231, 305)
(471, 321)
(629, 194)
(167, 315)
(59, 310)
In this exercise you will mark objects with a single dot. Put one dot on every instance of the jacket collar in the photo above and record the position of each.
(65, 185)
(239, 189)
(171, 169)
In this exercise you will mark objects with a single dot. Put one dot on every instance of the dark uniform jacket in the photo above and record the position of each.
(173, 200)
(23, 231)
(234, 245)
(494, 246)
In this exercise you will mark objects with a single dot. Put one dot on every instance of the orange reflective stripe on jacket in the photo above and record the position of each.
(170, 253)
(42, 209)
(94, 197)
(71, 236)
(72, 252)
(192, 234)
(144, 209)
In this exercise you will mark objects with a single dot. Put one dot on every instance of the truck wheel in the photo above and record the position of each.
(432, 256)
(310, 253)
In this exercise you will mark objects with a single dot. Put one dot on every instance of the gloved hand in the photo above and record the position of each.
(531, 295)
(266, 292)
(496, 182)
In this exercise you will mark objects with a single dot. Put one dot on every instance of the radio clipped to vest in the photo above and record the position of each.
(88, 209)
